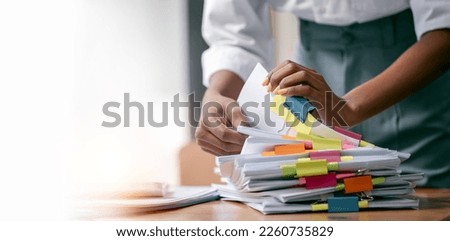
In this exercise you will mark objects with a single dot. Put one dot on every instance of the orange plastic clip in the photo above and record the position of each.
(358, 184)
(289, 149)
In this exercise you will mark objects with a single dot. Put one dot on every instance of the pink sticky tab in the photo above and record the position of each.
(322, 154)
(308, 144)
(328, 180)
(301, 181)
(347, 145)
(343, 175)
(348, 133)
(330, 156)
(333, 158)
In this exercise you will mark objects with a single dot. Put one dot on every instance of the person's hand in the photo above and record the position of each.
(292, 79)
(214, 133)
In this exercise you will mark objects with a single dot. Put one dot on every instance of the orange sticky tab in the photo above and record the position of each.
(289, 149)
(358, 184)
(268, 153)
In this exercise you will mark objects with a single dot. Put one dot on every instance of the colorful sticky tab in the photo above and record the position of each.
(278, 100)
(319, 207)
(298, 106)
(343, 204)
(363, 204)
(326, 144)
(268, 153)
(339, 187)
(358, 184)
(333, 166)
(288, 171)
(330, 156)
(308, 144)
(347, 145)
(311, 168)
(346, 158)
(301, 181)
(328, 180)
(348, 133)
(289, 149)
(363, 143)
(378, 180)
(290, 119)
(343, 175)
(286, 137)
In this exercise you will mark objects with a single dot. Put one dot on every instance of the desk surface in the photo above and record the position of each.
(434, 205)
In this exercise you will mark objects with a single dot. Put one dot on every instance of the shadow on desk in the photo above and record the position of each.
(434, 203)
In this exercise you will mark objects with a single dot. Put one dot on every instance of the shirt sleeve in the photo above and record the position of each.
(239, 36)
(430, 15)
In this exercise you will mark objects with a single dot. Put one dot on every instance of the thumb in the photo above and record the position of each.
(237, 117)
(234, 115)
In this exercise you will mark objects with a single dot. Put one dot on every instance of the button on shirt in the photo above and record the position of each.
(239, 34)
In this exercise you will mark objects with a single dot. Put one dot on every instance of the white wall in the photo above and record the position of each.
(285, 31)
(138, 47)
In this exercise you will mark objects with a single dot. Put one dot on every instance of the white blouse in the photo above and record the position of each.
(239, 31)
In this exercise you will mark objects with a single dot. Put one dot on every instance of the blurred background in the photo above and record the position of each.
(138, 47)
(63, 60)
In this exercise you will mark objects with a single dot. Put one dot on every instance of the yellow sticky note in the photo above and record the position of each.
(363, 143)
(279, 99)
(363, 204)
(327, 144)
(346, 158)
(303, 136)
(304, 128)
(311, 168)
(277, 103)
(303, 159)
(319, 207)
(290, 118)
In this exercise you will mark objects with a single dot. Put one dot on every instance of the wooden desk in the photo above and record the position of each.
(434, 205)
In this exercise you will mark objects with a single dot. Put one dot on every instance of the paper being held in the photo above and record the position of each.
(255, 103)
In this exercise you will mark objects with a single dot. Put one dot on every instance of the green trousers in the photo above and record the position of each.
(348, 56)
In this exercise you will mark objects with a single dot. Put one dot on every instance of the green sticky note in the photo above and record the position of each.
(377, 180)
(288, 171)
(333, 166)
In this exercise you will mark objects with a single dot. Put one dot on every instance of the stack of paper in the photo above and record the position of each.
(291, 163)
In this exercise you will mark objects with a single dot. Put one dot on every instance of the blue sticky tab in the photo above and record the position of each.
(343, 204)
(298, 106)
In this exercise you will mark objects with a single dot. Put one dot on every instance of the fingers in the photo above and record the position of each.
(306, 91)
(219, 140)
(237, 118)
(283, 70)
(278, 74)
(227, 135)
(266, 81)
(214, 134)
